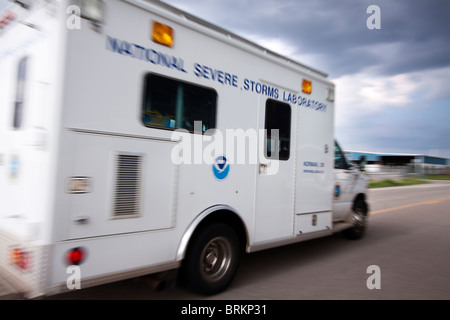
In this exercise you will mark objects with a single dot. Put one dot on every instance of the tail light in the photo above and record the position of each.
(76, 256)
(20, 258)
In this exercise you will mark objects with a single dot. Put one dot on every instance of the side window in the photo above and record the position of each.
(171, 104)
(20, 93)
(339, 159)
(278, 128)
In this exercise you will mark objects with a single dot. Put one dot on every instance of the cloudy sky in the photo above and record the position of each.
(393, 84)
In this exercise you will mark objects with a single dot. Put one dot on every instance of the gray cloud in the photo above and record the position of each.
(335, 30)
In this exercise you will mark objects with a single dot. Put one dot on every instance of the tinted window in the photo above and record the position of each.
(172, 104)
(339, 159)
(278, 128)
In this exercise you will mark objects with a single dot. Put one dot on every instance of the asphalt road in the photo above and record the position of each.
(408, 239)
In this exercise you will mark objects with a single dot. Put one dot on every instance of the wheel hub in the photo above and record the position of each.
(216, 259)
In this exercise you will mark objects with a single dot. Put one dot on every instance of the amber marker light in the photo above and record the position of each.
(163, 34)
(307, 86)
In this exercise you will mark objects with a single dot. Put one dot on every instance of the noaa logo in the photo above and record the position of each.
(221, 168)
(337, 191)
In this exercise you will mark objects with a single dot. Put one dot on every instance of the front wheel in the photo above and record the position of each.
(212, 259)
(359, 217)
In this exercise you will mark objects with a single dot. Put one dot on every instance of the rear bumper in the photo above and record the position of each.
(8, 289)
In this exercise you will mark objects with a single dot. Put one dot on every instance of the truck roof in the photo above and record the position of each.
(232, 36)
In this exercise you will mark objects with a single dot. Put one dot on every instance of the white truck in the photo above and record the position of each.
(136, 138)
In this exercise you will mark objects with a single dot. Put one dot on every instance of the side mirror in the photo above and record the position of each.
(362, 163)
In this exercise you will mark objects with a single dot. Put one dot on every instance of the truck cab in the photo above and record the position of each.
(350, 194)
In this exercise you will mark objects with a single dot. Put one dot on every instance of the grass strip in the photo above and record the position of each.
(393, 183)
(443, 177)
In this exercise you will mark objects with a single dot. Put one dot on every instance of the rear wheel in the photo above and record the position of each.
(212, 259)
(359, 219)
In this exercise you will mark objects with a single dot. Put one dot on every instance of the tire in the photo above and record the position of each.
(211, 260)
(359, 217)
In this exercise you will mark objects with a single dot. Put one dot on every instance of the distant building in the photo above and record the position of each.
(412, 163)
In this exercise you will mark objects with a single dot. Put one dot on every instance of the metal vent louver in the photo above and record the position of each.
(128, 185)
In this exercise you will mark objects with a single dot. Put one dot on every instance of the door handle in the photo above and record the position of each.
(81, 220)
(263, 168)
